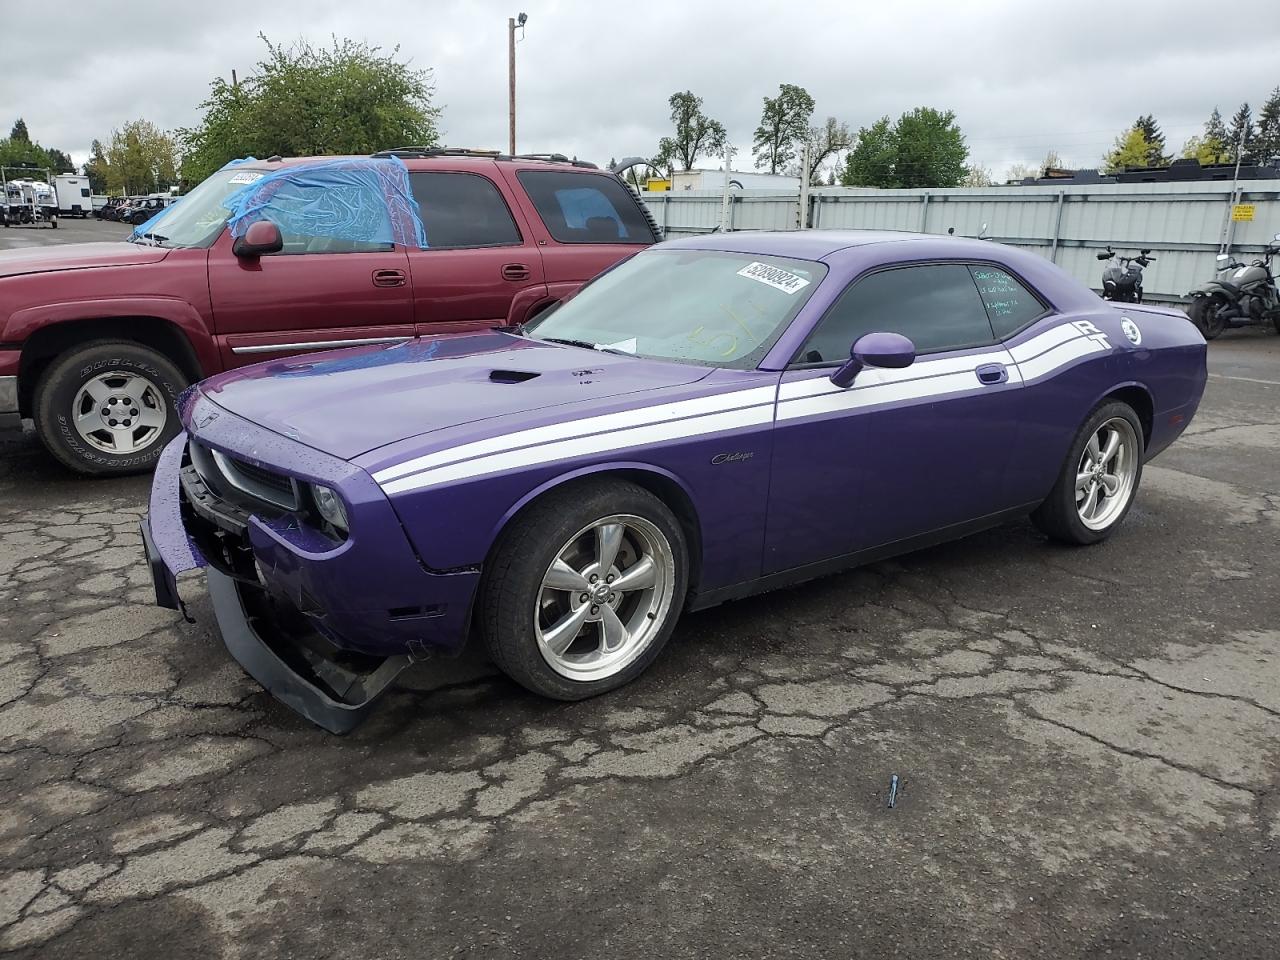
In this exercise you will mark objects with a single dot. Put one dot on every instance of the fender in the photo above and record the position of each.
(595, 468)
(181, 314)
(1229, 290)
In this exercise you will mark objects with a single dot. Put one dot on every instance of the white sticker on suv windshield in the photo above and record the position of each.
(247, 176)
(775, 277)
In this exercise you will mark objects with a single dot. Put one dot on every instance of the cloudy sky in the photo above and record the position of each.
(1022, 77)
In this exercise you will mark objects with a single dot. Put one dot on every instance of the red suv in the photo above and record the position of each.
(97, 340)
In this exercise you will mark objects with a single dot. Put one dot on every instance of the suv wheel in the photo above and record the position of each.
(109, 407)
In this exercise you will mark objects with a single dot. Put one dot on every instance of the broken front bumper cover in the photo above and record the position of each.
(273, 642)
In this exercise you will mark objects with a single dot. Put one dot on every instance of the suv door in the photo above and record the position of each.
(320, 291)
(585, 222)
(478, 258)
(900, 453)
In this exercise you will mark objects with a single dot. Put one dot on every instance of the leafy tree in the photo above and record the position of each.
(931, 149)
(1132, 150)
(96, 168)
(1241, 135)
(141, 158)
(1267, 144)
(870, 163)
(19, 131)
(784, 123)
(696, 133)
(23, 153)
(976, 176)
(1019, 172)
(60, 162)
(826, 142)
(349, 98)
(1206, 149)
(1156, 156)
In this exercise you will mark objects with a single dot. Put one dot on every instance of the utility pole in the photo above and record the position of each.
(512, 23)
(511, 80)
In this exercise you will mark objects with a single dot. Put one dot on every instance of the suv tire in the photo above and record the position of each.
(108, 408)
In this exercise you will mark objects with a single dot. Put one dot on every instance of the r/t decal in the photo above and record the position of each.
(1087, 329)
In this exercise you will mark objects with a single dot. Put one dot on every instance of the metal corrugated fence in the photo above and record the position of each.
(1183, 224)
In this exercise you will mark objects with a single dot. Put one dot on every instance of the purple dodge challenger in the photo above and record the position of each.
(712, 418)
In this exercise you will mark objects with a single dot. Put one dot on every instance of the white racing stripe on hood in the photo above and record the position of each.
(1033, 359)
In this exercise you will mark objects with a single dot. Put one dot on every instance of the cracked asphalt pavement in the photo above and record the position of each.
(1087, 740)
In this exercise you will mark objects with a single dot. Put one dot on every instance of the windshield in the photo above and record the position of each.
(196, 219)
(694, 306)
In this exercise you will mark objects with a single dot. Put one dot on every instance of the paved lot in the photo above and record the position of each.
(69, 230)
(1088, 742)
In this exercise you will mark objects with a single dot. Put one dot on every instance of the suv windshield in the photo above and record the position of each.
(693, 306)
(196, 219)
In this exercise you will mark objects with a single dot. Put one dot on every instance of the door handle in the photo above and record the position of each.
(992, 373)
(515, 271)
(388, 278)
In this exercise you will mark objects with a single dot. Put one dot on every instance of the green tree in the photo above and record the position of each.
(141, 158)
(870, 163)
(825, 143)
(19, 131)
(22, 153)
(350, 98)
(1132, 150)
(59, 161)
(976, 176)
(96, 168)
(1267, 144)
(696, 133)
(784, 124)
(1241, 135)
(1212, 146)
(1214, 128)
(1156, 156)
(931, 149)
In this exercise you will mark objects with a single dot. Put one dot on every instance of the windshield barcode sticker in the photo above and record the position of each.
(247, 176)
(774, 277)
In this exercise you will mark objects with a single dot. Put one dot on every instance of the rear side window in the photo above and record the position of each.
(585, 208)
(462, 210)
(936, 306)
(1010, 305)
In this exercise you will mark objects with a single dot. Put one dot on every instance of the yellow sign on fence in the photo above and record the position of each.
(1242, 211)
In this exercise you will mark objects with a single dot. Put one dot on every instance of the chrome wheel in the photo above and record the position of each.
(604, 597)
(119, 412)
(1106, 474)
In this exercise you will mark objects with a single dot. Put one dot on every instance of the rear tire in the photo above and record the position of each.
(548, 613)
(1206, 314)
(109, 407)
(1094, 490)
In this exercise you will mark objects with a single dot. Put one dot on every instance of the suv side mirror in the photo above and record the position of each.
(261, 237)
(891, 350)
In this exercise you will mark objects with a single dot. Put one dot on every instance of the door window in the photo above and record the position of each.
(1010, 305)
(936, 306)
(461, 210)
(585, 208)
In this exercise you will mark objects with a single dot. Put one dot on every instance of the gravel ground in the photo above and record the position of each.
(1087, 741)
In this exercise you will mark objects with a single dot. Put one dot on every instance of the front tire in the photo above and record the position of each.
(1099, 478)
(584, 589)
(109, 407)
(1206, 314)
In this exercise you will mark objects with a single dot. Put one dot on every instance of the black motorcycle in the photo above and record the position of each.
(1240, 294)
(1122, 280)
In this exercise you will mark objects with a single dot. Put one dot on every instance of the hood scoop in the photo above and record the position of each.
(511, 376)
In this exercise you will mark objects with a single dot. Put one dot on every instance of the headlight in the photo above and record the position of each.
(330, 507)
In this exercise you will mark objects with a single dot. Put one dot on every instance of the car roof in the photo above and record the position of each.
(453, 161)
(801, 244)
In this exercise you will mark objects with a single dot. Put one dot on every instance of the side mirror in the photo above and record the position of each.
(891, 350)
(261, 237)
(1222, 258)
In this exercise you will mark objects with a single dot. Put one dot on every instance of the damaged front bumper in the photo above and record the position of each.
(324, 627)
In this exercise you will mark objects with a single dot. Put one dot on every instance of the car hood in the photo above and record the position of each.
(77, 256)
(350, 402)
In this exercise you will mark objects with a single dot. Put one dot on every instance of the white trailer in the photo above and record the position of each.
(75, 199)
(27, 200)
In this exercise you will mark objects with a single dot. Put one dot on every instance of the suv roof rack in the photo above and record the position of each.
(414, 153)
